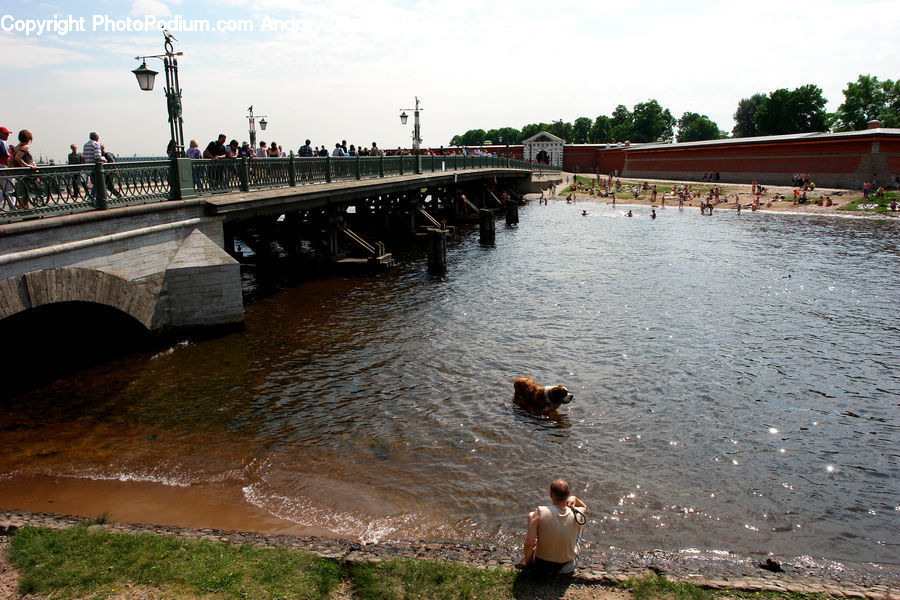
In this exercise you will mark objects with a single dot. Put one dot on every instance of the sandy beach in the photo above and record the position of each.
(730, 194)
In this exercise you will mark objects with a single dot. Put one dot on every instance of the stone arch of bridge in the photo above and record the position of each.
(71, 284)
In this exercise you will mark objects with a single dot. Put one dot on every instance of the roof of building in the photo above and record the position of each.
(762, 139)
(544, 136)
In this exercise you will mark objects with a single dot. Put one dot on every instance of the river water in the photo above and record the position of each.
(735, 379)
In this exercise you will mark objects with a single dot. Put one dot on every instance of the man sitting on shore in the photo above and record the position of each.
(551, 544)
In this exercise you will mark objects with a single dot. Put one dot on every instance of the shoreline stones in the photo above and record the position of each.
(803, 575)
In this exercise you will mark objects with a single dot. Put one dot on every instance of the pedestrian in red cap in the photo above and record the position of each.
(4, 147)
(7, 186)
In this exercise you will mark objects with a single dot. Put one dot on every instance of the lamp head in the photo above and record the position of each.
(145, 76)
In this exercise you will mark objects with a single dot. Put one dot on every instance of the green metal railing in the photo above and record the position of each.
(56, 190)
(50, 191)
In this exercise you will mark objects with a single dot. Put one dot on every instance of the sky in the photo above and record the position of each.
(332, 71)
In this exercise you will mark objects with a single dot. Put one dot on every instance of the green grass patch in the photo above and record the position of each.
(82, 563)
(76, 562)
(655, 587)
(405, 579)
(652, 587)
(882, 203)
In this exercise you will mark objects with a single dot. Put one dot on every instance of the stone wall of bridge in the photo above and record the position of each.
(162, 264)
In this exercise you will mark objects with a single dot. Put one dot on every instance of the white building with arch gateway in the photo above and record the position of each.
(545, 148)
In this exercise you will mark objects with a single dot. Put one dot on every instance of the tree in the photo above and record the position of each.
(651, 122)
(561, 129)
(581, 130)
(799, 111)
(601, 130)
(532, 129)
(808, 106)
(511, 135)
(693, 127)
(868, 99)
(621, 124)
(743, 116)
(473, 137)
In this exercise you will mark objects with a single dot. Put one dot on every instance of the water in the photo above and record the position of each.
(735, 388)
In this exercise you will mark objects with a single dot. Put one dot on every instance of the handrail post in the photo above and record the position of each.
(245, 174)
(418, 164)
(99, 187)
(181, 179)
(327, 169)
(381, 165)
(292, 173)
(358, 172)
(401, 163)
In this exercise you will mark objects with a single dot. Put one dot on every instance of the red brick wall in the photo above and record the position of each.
(837, 161)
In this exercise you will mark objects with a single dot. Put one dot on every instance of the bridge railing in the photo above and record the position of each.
(55, 190)
(48, 191)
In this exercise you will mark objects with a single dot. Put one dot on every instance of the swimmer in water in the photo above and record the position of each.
(629, 214)
(652, 213)
(584, 213)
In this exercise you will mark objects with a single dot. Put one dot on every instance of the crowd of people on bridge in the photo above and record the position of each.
(217, 149)
(17, 193)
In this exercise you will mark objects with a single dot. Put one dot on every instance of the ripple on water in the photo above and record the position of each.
(733, 378)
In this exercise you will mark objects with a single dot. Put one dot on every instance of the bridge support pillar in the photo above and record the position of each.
(486, 226)
(512, 212)
(204, 285)
(437, 251)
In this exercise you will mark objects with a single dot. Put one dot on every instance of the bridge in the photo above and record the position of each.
(155, 239)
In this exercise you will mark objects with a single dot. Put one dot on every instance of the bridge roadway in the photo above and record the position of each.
(240, 205)
(164, 263)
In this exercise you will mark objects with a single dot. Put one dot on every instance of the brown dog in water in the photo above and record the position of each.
(539, 398)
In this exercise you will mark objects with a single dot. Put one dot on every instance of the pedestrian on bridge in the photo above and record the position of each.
(109, 157)
(75, 158)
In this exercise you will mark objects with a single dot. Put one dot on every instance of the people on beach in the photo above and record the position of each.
(551, 543)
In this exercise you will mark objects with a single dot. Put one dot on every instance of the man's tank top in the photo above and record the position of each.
(557, 534)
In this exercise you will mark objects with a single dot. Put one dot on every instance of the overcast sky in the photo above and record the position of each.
(343, 70)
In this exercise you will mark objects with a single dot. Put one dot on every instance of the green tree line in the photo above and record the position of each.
(781, 111)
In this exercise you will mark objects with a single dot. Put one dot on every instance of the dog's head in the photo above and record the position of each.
(556, 396)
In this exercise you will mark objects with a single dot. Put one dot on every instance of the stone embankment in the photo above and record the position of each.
(717, 571)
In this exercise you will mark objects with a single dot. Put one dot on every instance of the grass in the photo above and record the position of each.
(82, 563)
(78, 562)
(655, 587)
(881, 202)
(405, 579)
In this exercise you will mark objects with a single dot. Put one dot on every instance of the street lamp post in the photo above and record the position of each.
(145, 78)
(262, 125)
(417, 133)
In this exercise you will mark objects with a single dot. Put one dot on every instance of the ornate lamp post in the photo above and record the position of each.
(262, 125)
(500, 138)
(145, 78)
(417, 134)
